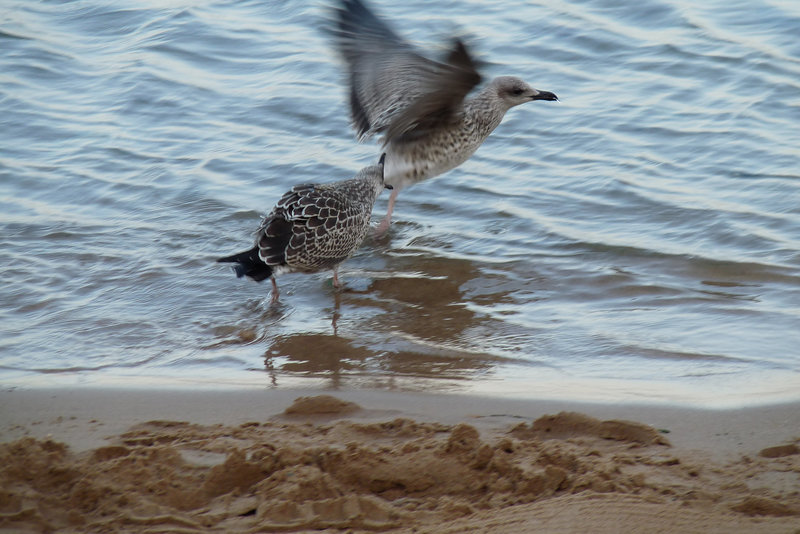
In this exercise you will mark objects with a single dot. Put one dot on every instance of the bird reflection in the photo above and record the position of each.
(414, 324)
(317, 355)
(337, 306)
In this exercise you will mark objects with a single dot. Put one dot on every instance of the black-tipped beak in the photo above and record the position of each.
(545, 95)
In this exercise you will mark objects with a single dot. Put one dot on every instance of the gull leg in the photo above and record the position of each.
(384, 225)
(336, 283)
(275, 292)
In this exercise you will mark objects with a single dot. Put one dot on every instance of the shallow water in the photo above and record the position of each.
(638, 240)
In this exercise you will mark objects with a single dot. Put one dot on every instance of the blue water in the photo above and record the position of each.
(639, 240)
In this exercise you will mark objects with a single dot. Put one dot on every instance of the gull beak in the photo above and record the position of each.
(544, 95)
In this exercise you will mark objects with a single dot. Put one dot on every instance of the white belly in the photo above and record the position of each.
(404, 168)
(400, 172)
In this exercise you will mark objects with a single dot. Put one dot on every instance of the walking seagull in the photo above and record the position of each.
(313, 227)
(418, 104)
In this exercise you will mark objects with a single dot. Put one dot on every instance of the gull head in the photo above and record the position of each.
(512, 91)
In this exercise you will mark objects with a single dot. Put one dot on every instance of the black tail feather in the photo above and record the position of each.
(249, 264)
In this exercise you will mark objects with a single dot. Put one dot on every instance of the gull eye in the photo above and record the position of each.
(518, 91)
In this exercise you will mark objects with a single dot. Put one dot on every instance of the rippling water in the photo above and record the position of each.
(640, 239)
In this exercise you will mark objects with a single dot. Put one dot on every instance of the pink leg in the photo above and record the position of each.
(336, 278)
(275, 293)
(384, 225)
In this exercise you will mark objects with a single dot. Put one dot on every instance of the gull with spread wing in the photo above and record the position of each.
(420, 106)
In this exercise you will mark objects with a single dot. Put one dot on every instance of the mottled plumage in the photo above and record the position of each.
(313, 227)
(419, 105)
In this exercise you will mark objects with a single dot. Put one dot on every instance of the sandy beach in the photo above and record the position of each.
(102, 460)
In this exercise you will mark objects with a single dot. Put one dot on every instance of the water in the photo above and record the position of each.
(639, 240)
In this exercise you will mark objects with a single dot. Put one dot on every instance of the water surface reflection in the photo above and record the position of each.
(405, 316)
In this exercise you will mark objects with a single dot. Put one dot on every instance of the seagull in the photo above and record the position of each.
(313, 227)
(419, 106)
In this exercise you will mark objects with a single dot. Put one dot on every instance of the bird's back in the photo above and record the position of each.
(315, 227)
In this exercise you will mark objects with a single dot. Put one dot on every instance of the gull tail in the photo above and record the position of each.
(249, 264)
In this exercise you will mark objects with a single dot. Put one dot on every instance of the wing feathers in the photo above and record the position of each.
(393, 88)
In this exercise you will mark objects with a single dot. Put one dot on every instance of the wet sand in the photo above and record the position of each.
(95, 460)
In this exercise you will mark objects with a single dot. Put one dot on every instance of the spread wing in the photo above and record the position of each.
(394, 90)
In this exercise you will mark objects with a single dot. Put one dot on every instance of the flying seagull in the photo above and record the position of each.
(419, 105)
(313, 227)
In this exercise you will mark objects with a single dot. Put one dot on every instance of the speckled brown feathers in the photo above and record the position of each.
(316, 226)
(313, 227)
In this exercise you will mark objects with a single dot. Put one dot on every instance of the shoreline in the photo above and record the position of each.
(570, 466)
(67, 413)
(759, 389)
